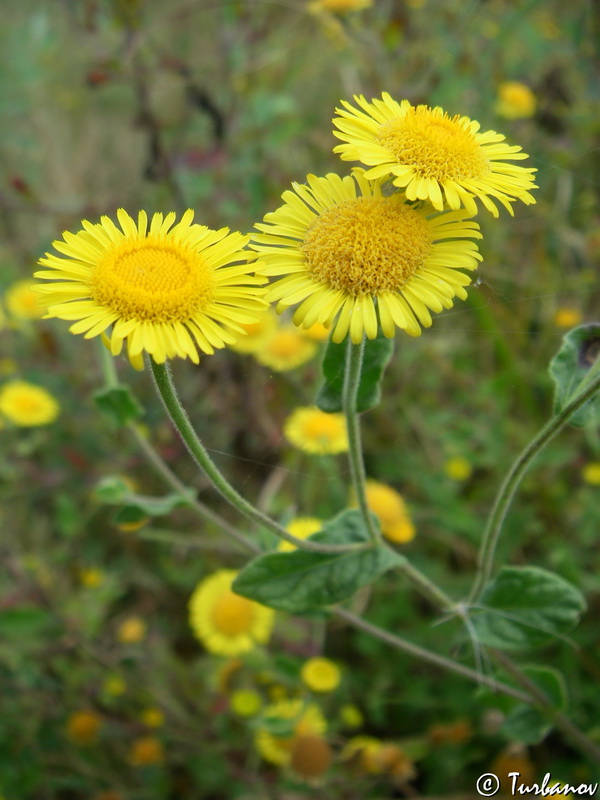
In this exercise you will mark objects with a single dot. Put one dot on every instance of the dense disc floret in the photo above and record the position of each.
(431, 155)
(168, 290)
(359, 261)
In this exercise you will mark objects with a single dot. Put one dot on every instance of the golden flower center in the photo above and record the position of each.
(436, 145)
(367, 245)
(232, 614)
(152, 279)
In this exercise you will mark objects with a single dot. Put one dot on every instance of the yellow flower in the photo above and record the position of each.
(362, 751)
(318, 332)
(282, 724)
(27, 405)
(83, 727)
(310, 756)
(340, 6)
(132, 630)
(320, 674)
(351, 716)
(226, 623)
(91, 577)
(515, 100)
(301, 528)
(357, 260)
(168, 290)
(458, 468)
(591, 473)
(389, 507)
(146, 751)
(285, 349)
(431, 155)
(153, 717)
(567, 317)
(22, 301)
(256, 333)
(314, 431)
(115, 686)
(245, 702)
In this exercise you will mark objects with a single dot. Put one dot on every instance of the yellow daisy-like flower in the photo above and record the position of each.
(321, 674)
(27, 405)
(132, 630)
(22, 301)
(515, 100)
(301, 528)
(390, 509)
(302, 720)
(286, 349)
(83, 727)
(458, 468)
(591, 473)
(433, 156)
(256, 333)
(146, 751)
(567, 317)
(314, 431)
(168, 290)
(226, 623)
(245, 702)
(361, 261)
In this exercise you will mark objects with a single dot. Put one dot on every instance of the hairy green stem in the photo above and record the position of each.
(354, 359)
(427, 588)
(166, 391)
(513, 478)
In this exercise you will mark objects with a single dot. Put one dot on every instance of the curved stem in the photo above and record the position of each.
(166, 391)
(513, 478)
(428, 589)
(354, 359)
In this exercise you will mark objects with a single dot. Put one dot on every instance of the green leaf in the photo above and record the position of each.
(25, 621)
(139, 507)
(579, 351)
(525, 723)
(112, 489)
(300, 581)
(527, 607)
(376, 356)
(118, 404)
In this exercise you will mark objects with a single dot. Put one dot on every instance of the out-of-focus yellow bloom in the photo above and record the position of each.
(245, 702)
(114, 685)
(310, 756)
(567, 317)
(91, 577)
(146, 751)
(153, 717)
(296, 720)
(132, 630)
(83, 727)
(22, 302)
(318, 332)
(513, 758)
(351, 716)
(515, 100)
(591, 473)
(458, 468)
(321, 674)
(301, 528)
(256, 333)
(389, 507)
(339, 6)
(285, 349)
(450, 732)
(27, 405)
(314, 431)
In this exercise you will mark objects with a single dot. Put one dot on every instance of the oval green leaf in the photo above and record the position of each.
(578, 353)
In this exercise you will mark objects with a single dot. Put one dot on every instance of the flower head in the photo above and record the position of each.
(132, 630)
(320, 674)
(515, 100)
(27, 405)
(168, 290)
(83, 727)
(301, 528)
(245, 702)
(256, 333)
(389, 507)
(286, 349)
(226, 623)
(359, 261)
(317, 432)
(567, 317)
(282, 723)
(22, 302)
(432, 156)
(146, 751)
(458, 468)
(591, 473)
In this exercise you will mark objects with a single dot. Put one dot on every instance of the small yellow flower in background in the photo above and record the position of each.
(591, 473)
(567, 317)
(91, 577)
(389, 507)
(361, 751)
(351, 716)
(310, 756)
(226, 623)
(431, 155)
(321, 674)
(458, 468)
(301, 528)
(515, 100)
(513, 758)
(359, 261)
(245, 702)
(391, 760)
(22, 302)
(153, 717)
(285, 349)
(166, 289)
(27, 405)
(317, 332)
(292, 719)
(339, 6)
(83, 727)
(115, 686)
(146, 751)
(450, 732)
(132, 630)
(256, 333)
(312, 430)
